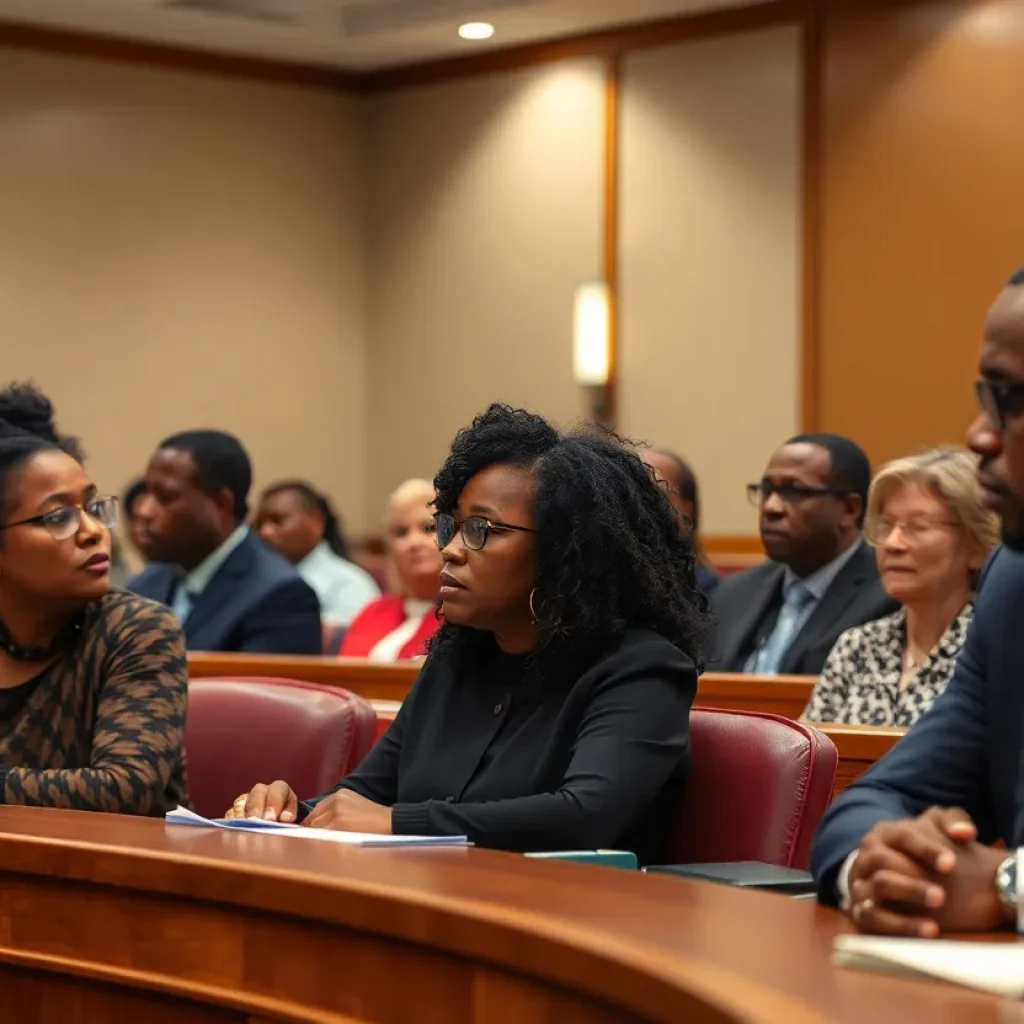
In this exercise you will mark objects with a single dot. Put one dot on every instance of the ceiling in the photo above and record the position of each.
(347, 34)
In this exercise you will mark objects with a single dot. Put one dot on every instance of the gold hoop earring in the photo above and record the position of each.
(533, 613)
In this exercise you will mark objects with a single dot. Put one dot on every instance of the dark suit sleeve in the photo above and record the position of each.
(631, 739)
(287, 621)
(942, 761)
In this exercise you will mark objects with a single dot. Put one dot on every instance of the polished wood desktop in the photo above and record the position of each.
(106, 918)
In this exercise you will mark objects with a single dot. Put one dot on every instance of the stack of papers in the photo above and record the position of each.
(183, 816)
(991, 967)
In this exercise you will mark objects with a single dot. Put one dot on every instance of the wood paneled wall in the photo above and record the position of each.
(911, 199)
(920, 174)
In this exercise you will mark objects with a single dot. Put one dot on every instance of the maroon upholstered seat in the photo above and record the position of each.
(759, 785)
(243, 731)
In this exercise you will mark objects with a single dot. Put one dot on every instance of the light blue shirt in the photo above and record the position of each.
(344, 589)
(199, 578)
(816, 585)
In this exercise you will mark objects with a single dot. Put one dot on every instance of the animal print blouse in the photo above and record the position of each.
(103, 727)
(860, 684)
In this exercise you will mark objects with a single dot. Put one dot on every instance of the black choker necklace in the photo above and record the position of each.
(64, 639)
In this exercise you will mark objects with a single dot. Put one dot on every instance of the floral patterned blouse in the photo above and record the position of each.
(860, 684)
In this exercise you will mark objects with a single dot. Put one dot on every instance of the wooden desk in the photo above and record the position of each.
(779, 695)
(859, 746)
(108, 919)
(776, 695)
(372, 680)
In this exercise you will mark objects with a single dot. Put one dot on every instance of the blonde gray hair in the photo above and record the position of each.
(950, 474)
(412, 492)
(419, 491)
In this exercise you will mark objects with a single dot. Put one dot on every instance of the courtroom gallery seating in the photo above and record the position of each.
(759, 784)
(387, 685)
(244, 731)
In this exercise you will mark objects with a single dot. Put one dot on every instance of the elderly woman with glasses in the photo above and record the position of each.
(93, 681)
(552, 712)
(931, 535)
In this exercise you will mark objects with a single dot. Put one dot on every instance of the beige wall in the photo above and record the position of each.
(485, 215)
(710, 260)
(346, 282)
(180, 251)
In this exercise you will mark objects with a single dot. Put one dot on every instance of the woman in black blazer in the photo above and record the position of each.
(553, 709)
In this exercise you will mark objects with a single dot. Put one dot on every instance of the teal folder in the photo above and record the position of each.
(602, 858)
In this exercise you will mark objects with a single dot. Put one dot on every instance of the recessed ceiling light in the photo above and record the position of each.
(476, 30)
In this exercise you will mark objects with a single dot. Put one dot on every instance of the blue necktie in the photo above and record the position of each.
(782, 636)
(182, 603)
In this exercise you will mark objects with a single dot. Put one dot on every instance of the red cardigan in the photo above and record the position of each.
(379, 618)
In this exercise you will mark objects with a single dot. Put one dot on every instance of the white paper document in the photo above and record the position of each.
(183, 816)
(989, 966)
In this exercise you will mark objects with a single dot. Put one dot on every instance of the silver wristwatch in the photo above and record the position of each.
(1006, 882)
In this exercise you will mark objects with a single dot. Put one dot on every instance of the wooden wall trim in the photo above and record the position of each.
(722, 544)
(811, 162)
(610, 241)
(607, 43)
(94, 46)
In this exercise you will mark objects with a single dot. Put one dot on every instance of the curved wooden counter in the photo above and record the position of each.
(114, 919)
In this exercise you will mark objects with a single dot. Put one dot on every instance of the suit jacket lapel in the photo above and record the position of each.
(158, 583)
(738, 637)
(218, 596)
(840, 594)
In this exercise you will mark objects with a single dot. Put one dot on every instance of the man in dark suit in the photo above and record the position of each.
(229, 590)
(680, 483)
(906, 850)
(785, 616)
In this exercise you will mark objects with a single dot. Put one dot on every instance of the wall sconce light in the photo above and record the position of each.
(592, 335)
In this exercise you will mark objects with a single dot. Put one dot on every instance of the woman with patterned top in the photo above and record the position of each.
(93, 681)
(931, 535)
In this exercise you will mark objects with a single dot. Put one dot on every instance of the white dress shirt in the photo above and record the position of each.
(344, 589)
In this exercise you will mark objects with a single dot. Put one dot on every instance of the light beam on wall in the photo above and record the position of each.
(592, 335)
(476, 30)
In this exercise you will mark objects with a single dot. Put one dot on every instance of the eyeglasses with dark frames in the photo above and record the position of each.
(1000, 400)
(789, 494)
(66, 521)
(475, 530)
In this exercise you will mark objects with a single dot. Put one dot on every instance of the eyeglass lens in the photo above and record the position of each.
(474, 531)
(66, 522)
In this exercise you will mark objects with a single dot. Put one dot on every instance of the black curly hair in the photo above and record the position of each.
(610, 553)
(26, 428)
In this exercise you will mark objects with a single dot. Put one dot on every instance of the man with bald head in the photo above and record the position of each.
(909, 848)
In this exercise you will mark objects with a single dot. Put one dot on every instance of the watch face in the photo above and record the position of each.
(1006, 881)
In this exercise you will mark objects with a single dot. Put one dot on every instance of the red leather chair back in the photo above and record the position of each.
(759, 785)
(243, 731)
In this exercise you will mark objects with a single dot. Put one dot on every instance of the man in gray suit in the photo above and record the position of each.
(784, 617)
